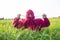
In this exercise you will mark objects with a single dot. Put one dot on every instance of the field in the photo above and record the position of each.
(8, 32)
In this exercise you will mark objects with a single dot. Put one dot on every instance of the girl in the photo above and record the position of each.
(31, 22)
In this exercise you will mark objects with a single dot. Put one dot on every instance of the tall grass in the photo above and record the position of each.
(8, 32)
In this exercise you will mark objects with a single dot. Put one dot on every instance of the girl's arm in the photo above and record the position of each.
(45, 22)
(15, 22)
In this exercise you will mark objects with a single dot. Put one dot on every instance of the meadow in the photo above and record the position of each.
(8, 32)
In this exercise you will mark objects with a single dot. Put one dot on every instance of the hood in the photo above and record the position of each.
(30, 15)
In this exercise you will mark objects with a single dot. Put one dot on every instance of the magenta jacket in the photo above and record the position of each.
(31, 22)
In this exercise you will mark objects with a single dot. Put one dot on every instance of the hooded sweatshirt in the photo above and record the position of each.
(29, 21)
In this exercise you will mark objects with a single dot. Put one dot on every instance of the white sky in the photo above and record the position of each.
(10, 8)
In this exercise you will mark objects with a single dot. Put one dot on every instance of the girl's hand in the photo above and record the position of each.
(18, 16)
(44, 16)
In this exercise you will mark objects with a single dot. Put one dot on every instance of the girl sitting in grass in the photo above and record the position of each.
(30, 21)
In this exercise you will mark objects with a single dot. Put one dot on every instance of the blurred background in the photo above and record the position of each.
(10, 8)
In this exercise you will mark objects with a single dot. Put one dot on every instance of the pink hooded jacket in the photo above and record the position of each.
(29, 21)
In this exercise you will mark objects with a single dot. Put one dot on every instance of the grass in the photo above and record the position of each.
(8, 32)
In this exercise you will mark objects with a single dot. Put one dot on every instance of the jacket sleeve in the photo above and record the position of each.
(15, 22)
(45, 22)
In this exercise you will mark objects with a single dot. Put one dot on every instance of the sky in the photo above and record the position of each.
(10, 8)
